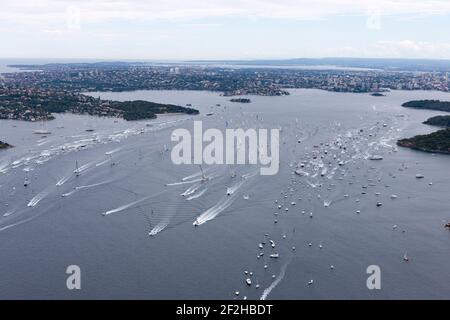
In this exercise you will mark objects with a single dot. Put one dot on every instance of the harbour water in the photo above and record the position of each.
(127, 219)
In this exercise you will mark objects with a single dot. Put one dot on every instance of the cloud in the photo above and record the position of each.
(85, 26)
(413, 49)
(97, 11)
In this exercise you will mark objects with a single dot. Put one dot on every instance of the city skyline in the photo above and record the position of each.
(239, 29)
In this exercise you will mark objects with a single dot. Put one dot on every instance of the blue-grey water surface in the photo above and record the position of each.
(57, 220)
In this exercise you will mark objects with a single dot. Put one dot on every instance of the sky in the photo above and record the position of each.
(224, 29)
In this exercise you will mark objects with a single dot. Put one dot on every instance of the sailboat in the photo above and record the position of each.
(233, 173)
(26, 182)
(112, 163)
(43, 129)
(204, 177)
(77, 169)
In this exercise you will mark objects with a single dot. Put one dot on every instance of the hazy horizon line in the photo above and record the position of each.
(224, 60)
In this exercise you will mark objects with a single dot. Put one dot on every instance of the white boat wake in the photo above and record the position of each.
(86, 187)
(183, 182)
(195, 175)
(235, 188)
(102, 162)
(63, 180)
(18, 223)
(197, 195)
(4, 167)
(250, 174)
(129, 205)
(38, 198)
(223, 204)
(113, 151)
(278, 279)
(93, 185)
(192, 189)
(85, 167)
(125, 207)
(214, 211)
(159, 227)
(7, 214)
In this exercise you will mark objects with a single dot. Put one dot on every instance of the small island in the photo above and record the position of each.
(428, 105)
(241, 100)
(4, 145)
(439, 121)
(139, 109)
(436, 142)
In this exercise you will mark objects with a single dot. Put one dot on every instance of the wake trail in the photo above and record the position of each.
(131, 204)
(159, 227)
(197, 195)
(38, 198)
(273, 285)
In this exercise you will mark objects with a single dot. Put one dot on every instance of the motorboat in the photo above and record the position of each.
(405, 257)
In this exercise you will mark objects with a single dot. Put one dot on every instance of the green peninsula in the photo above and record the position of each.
(4, 145)
(436, 142)
(428, 105)
(439, 121)
(40, 105)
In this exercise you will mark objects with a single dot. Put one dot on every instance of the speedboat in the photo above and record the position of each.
(405, 257)
(275, 255)
(249, 282)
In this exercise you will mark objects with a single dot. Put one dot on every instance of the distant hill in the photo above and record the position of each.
(436, 142)
(371, 63)
(440, 121)
(428, 104)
